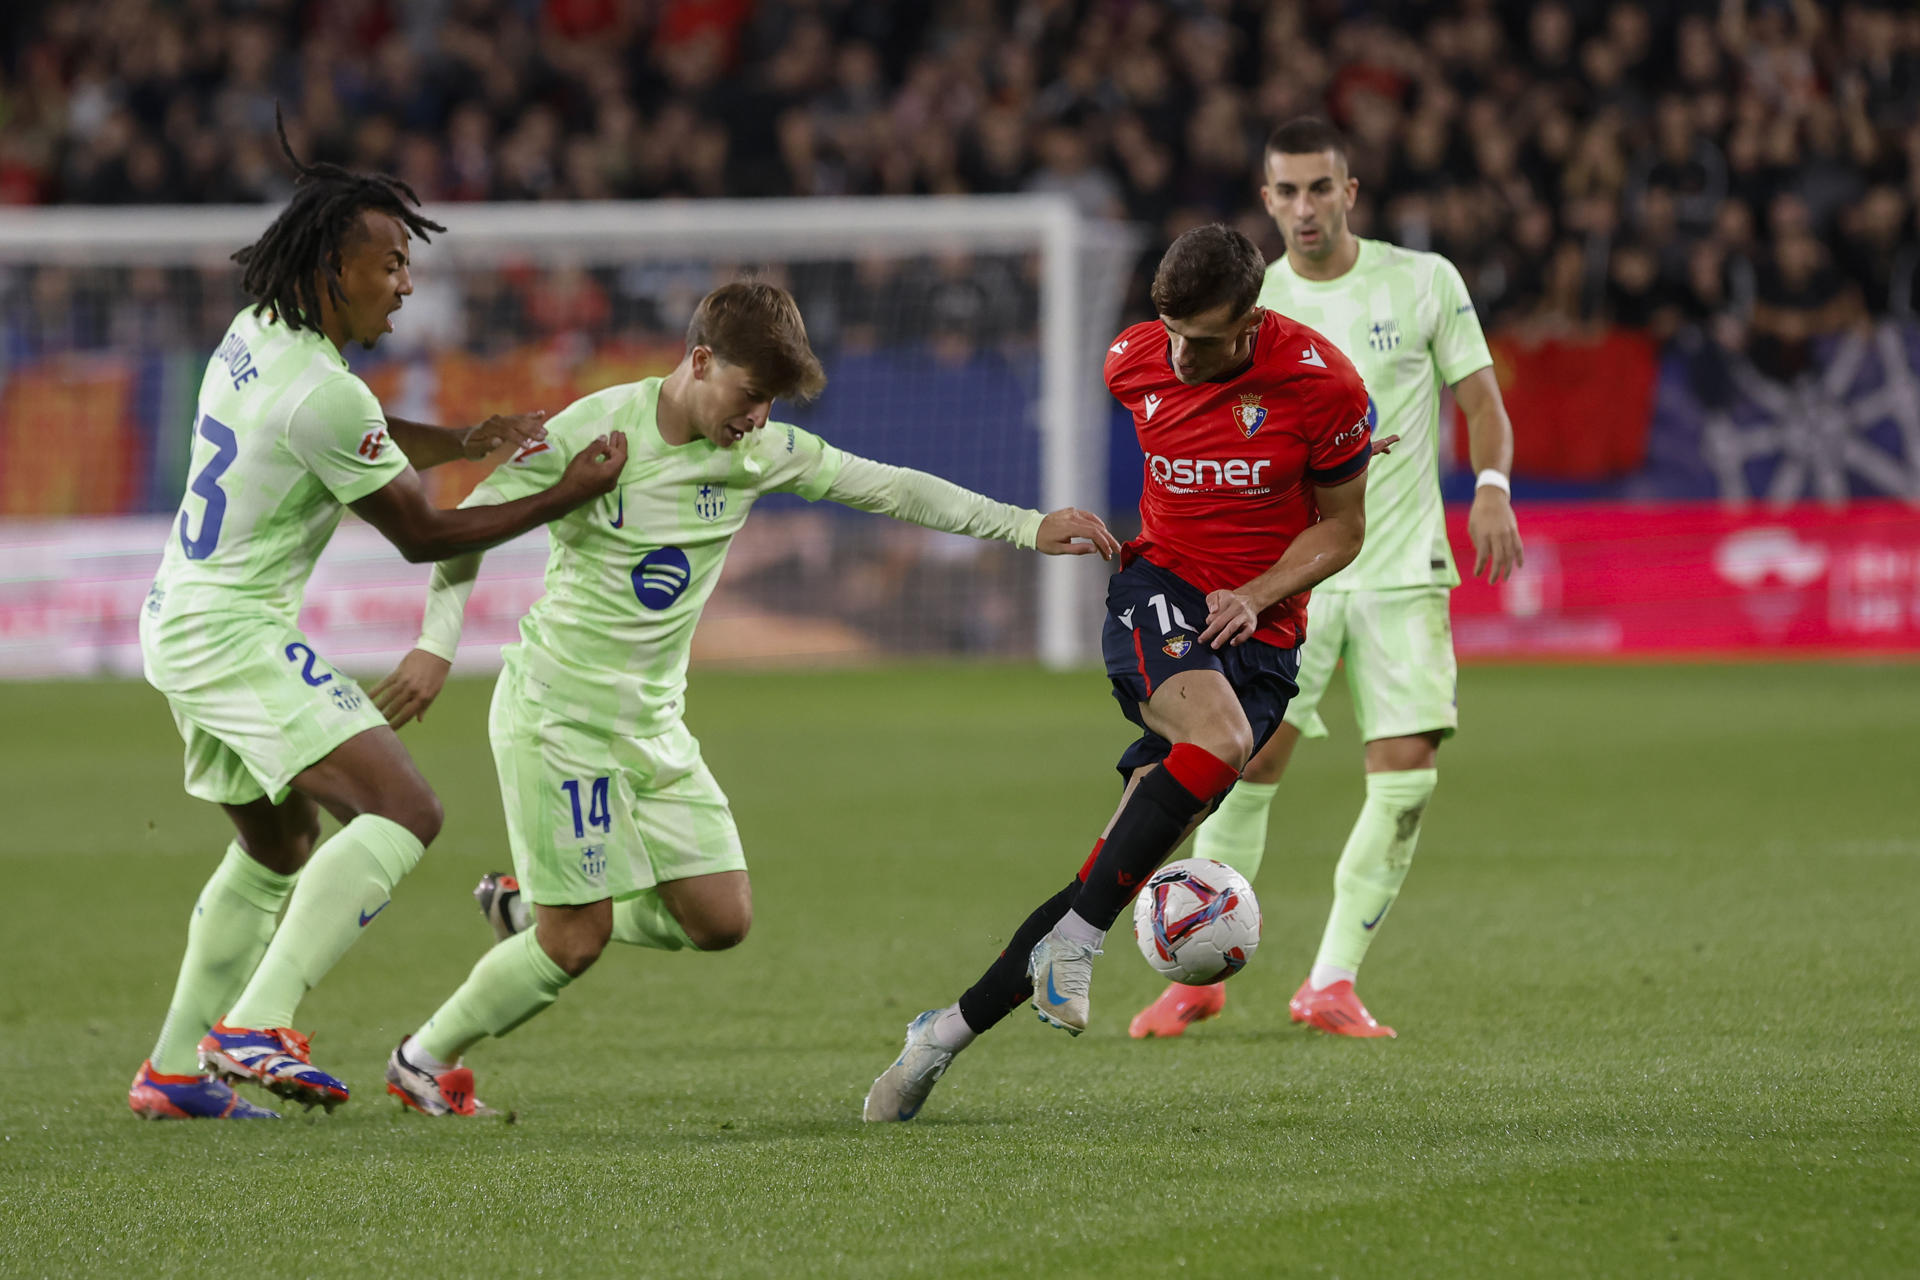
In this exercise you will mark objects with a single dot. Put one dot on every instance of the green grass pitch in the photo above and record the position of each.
(1656, 973)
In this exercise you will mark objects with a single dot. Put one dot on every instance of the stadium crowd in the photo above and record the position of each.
(1748, 167)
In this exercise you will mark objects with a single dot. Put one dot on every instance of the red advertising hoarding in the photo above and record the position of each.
(1607, 580)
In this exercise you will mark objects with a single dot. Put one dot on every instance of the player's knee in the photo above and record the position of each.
(1231, 743)
(720, 931)
(420, 812)
(575, 949)
(302, 841)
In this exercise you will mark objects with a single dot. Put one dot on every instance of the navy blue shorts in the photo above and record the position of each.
(1152, 633)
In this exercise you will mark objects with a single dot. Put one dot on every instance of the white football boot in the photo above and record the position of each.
(903, 1087)
(1062, 972)
(450, 1093)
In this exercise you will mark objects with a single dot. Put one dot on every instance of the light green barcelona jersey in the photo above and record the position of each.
(284, 438)
(629, 573)
(1404, 318)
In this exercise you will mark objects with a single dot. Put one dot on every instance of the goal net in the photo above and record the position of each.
(962, 336)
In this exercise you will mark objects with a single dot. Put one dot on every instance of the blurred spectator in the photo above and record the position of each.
(1879, 253)
(1799, 295)
(1581, 159)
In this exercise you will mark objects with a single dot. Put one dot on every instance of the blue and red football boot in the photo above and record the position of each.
(275, 1059)
(161, 1097)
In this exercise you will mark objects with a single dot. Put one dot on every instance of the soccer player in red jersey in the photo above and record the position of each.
(1256, 439)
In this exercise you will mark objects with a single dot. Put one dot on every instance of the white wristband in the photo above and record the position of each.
(1493, 479)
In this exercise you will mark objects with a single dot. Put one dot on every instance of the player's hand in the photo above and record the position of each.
(596, 469)
(1495, 534)
(1073, 532)
(411, 687)
(1231, 619)
(516, 429)
(1384, 444)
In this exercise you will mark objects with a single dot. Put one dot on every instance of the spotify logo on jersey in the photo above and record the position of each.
(661, 576)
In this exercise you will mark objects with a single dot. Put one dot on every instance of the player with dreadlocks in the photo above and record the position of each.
(285, 439)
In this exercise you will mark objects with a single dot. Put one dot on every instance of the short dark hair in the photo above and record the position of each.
(758, 327)
(278, 269)
(1306, 135)
(1205, 268)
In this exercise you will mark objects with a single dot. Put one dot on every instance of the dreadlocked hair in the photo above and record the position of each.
(278, 270)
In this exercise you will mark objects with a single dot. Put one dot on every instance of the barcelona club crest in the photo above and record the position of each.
(1176, 646)
(709, 501)
(1250, 416)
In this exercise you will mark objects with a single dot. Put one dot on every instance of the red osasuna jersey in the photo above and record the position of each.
(1230, 466)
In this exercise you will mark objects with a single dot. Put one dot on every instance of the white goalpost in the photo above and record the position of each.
(913, 296)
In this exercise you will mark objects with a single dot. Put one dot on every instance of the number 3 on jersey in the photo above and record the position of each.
(207, 485)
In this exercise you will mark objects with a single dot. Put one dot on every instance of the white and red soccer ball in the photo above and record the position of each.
(1197, 921)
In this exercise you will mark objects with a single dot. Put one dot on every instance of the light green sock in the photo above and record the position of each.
(231, 926)
(512, 982)
(645, 922)
(1236, 832)
(348, 882)
(1374, 864)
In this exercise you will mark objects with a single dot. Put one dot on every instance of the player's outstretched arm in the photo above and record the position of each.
(1491, 527)
(428, 446)
(927, 500)
(1317, 554)
(423, 532)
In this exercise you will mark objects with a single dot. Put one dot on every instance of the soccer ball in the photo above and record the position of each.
(1197, 921)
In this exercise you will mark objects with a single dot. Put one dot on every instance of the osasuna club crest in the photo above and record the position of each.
(1249, 416)
(709, 501)
(1176, 647)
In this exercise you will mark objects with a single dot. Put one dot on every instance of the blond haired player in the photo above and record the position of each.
(618, 830)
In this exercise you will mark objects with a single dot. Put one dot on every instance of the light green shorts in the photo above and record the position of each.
(592, 814)
(254, 702)
(1398, 647)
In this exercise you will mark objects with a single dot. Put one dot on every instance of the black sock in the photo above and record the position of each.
(1143, 835)
(1004, 987)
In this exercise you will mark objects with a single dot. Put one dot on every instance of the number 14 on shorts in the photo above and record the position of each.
(597, 815)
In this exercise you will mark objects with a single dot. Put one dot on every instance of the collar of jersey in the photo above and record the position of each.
(269, 326)
(644, 424)
(643, 421)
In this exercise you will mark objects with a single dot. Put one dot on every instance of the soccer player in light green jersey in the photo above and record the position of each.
(1403, 317)
(618, 831)
(286, 438)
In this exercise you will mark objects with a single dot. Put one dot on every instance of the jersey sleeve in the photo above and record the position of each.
(1117, 369)
(534, 468)
(929, 501)
(537, 466)
(1459, 346)
(1339, 436)
(340, 434)
(789, 459)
